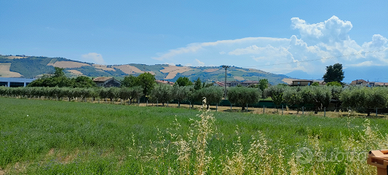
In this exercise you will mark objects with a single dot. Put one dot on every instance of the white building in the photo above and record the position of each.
(15, 82)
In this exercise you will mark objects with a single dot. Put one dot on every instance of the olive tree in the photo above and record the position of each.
(181, 93)
(293, 96)
(276, 93)
(213, 94)
(136, 93)
(162, 93)
(367, 99)
(318, 96)
(243, 96)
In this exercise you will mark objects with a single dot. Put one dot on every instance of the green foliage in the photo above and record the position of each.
(83, 82)
(162, 93)
(334, 83)
(198, 84)
(319, 96)
(263, 84)
(363, 98)
(147, 82)
(213, 94)
(282, 85)
(60, 80)
(181, 93)
(183, 81)
(315, 84)
(276, 93)
(334, 73)
(130, 81)
(59, 72)
(243, 96)
(293, 96)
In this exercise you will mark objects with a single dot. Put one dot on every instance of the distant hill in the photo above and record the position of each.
(35, 66)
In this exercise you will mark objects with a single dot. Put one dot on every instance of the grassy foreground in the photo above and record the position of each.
(59, 137)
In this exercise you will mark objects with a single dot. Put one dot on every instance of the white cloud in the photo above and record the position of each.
(329, 31)
(365, 63)
(93, 57)
(194, 47)
(319, 45)
(199, 62)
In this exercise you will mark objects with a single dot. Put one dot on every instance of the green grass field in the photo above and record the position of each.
(60, 137)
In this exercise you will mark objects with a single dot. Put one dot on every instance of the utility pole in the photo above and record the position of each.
(225, 67)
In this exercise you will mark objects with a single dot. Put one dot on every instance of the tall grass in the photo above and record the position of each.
(80, 138)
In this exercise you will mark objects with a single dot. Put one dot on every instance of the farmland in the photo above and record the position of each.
(55, 137)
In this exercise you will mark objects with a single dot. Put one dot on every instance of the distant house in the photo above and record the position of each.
(164, 82)
(15, 82)
(218, 83)
(301, 82)
(359, 82)
(247, 83)
(107, 82)
(381, 84)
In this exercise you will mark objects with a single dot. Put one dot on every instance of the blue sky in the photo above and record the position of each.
(274, 36)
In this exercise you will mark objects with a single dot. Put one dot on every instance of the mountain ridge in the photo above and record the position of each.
(36, 66)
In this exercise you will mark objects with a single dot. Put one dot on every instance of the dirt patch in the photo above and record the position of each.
(173, 70)
(75, 72)
(128, 69)
(50, 153)
(67, 64)
(210, 70)
(5, 72)
(238, 78)
(69, 157)
(15, 57)
(103, 67)
(288, 80)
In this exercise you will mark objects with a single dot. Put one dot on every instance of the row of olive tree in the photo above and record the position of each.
(72, 93)
(164, 93)
(318, 96)
(362, 99)
(365, 99)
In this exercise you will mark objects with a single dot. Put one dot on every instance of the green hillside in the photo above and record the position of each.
(36, 66)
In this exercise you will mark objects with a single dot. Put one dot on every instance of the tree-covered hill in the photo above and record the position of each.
(36, 66)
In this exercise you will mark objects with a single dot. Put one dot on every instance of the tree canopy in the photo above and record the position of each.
(334, 73)
(129, 81)
(60, 80)
(183, 81)
(243, 96)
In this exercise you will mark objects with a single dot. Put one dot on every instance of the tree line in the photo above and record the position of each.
(362, 99)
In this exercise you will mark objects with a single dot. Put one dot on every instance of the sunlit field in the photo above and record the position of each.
(61, 137)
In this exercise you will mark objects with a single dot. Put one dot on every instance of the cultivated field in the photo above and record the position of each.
(60, 137)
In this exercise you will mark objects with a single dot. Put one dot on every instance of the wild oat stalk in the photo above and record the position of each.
(204, 129)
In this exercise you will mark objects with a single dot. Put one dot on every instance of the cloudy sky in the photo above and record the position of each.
(274, 36)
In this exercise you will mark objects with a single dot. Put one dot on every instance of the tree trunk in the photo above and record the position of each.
(179, 104)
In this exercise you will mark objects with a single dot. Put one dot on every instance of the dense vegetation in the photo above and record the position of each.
(58, 79)
(56, 137)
